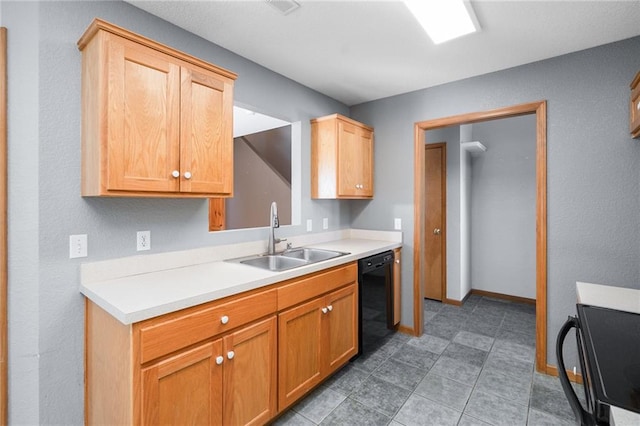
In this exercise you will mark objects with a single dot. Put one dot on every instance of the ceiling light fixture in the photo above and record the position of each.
(444, 20)
(284, 6)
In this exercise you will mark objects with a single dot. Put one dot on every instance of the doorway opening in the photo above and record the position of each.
(420, 229)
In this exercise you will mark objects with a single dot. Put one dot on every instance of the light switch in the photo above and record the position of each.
(397, 224)
(325, 223)
(309, 225)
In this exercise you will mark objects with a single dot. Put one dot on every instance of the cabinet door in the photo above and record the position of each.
(143, 118)
(250, 374)
(184, 389)
(206, 160)
(397, 283)
(348, 160)
(365, 140)
(299, 351)
(355, 161)
(341, 327)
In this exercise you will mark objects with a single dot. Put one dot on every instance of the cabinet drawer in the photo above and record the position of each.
(162, 336)
(306, 288)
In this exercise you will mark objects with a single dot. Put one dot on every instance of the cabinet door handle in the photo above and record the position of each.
(175, 174)
(224, 319)
(330, 308)
(397, 260)
(231, 354)
(187, 175)
(219, 359)
(325, 310)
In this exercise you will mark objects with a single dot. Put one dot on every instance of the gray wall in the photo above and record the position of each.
(503, 207)
(255, 186)
(593, 180)
(593, 183)
(46, 311)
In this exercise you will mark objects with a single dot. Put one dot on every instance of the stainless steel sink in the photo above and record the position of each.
(291, 258)
(274, 262)
(311, 255)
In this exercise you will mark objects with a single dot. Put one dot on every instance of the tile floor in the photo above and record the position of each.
(473, 366)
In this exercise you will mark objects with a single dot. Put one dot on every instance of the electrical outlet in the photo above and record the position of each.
(397, 224)
(325, 223)
(143, 240)
(77, 246)
(309, 225)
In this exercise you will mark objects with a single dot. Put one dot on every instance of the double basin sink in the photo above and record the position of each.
(289, 259)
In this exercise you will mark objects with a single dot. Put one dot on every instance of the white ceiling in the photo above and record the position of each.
(358, 51)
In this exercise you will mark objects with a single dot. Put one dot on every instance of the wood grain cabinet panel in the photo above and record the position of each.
(137, 374)
(341, 342)
(156, 122)
(299, 351)
(229, 381)
(250, 380)
(634, 107)
(316, 338)
(171, 332)
(184, 389)
(341, 158)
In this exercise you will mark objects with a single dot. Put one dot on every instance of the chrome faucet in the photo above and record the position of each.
(273, 224)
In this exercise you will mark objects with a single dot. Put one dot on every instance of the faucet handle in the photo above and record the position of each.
(289, 245)
(279, 240)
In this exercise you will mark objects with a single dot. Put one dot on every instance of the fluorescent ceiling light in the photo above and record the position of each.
(444, 20)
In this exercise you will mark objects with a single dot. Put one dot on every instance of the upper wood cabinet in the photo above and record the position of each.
(156, 122)
(341, 158)
(634, 107)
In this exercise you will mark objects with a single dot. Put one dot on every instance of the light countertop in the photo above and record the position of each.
(141, 287)
(623, 299)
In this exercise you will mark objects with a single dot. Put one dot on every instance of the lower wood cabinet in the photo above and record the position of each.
(229, 381)
(236, 361)
(316, 338)
(186, 388)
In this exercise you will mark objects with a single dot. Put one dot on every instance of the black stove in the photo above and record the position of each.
(609, 352)
(612, 345)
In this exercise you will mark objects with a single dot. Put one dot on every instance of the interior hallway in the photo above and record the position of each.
(473, 366)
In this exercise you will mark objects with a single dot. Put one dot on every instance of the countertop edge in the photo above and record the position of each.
(620, 298)
(110, 295)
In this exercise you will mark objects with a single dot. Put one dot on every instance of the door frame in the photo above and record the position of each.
(538, 108)
(443, 209)
(3, 227)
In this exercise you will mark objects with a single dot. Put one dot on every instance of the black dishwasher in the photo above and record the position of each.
(375, 297)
